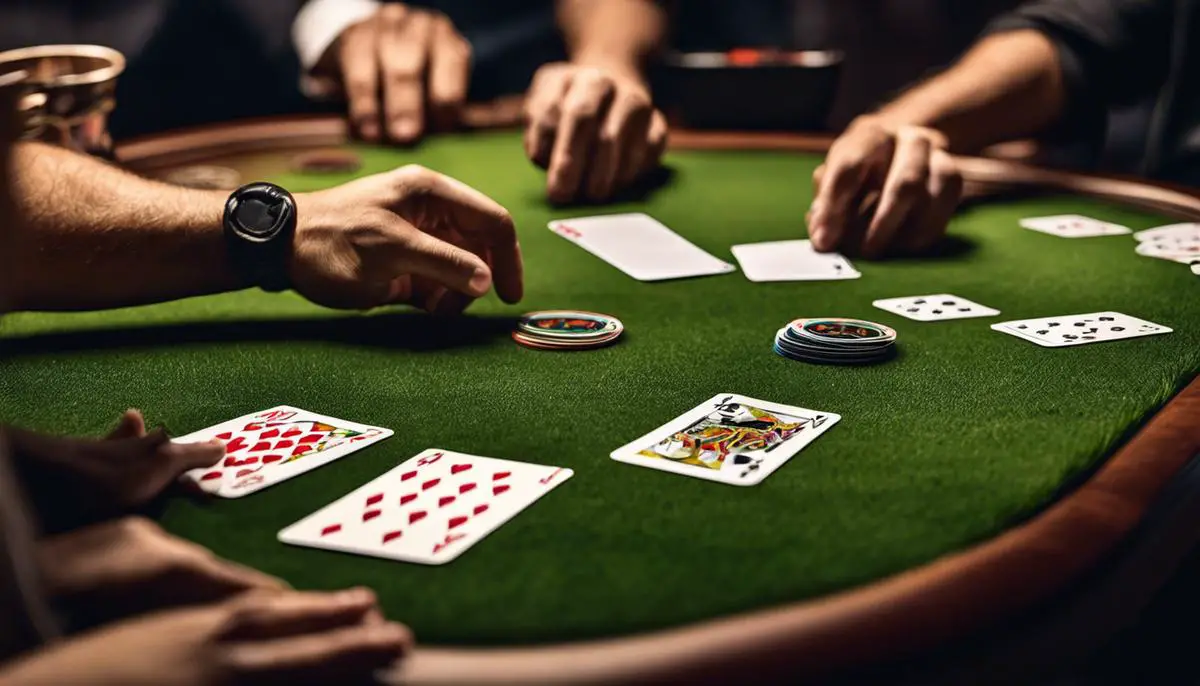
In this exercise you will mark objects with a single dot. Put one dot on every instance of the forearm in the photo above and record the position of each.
(619, 35)
(95, 236)
(1008, 86)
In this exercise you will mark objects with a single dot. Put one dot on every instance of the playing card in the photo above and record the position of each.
(1073, 226)
(1175, 249)
(640, 246)
(264, 448)
(933, 308)
(730, 439)
(1187, 231)
(1080, 329)
(428, 510)
(791, 261)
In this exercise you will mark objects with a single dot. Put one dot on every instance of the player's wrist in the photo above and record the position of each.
(259, 226)
(617, 64)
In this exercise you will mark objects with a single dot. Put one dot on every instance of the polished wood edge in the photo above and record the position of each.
(894, 617)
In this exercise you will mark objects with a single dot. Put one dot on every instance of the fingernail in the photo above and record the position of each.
(480, 281)
(355, 596)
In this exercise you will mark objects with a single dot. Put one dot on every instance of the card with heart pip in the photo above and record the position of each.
(1073, 226)
(641, 246)
(429, 510)
(730, 439)
(935, 308)
(265, 448)
(792, 260)
(1080, 329)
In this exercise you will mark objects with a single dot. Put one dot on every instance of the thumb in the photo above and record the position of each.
(457, 269)
(185, 456)
(130, 425)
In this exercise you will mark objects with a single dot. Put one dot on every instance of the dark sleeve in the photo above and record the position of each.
(1112, 52)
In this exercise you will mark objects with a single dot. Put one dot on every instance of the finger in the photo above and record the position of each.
(130, 425)
(426, 256)
(624, 130)
(404, 43)
(426, 293)
(449, 74)
(224, 578)
(185, 456)
(543, 111)
(340, 656)
(480, 218)
(902, 190)
(506, 111)
(846, 170)
(945, 191)
(277, 615)
(656, 145)
(583, 108)
(360, 76)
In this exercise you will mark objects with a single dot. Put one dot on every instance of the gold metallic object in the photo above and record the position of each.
(68, 92)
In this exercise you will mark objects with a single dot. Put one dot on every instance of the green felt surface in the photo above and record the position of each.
(965, 433)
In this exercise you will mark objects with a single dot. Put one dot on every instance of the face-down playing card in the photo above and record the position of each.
(792, 260)
(730, 439)
(428, 510)
(265, 448)
(1073, 226)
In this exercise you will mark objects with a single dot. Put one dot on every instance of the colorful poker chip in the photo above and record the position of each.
(835, 340)
(567, 330)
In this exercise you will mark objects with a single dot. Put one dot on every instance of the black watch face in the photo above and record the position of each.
(258, 217)
(261, 210)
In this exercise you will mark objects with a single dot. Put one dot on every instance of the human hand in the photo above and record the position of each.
(906, 169)
(128, 566)
(593, 130)
(76, 481)
(287, 638)
(405, 236)
(385, 62)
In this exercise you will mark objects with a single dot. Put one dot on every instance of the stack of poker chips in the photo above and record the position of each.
(835, 341)
(567, 330)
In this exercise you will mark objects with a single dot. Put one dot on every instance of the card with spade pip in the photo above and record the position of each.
(1073, 226)
(1080, 329)
(935, 308)
(731, 439)
(428, 510)
(265, 448)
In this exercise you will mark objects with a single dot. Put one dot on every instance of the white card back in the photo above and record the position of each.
(640, 246)
(793, 260)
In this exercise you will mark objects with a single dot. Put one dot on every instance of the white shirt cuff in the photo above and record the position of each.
(320, 22)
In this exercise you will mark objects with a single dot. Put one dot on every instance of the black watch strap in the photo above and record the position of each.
(260, 227)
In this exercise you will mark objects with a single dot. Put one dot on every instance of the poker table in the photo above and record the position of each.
(973, 478)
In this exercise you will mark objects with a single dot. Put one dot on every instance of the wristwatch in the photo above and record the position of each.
(260, 226)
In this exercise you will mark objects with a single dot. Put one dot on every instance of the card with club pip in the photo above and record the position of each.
(640, 246)
(730, 439)
(1073, 226)
(1170, 233)
(428, 510)
(1080, 329)
(265, 448)
(793, 260)
(935, 308)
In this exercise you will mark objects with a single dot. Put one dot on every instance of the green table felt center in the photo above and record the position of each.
(964, 434)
